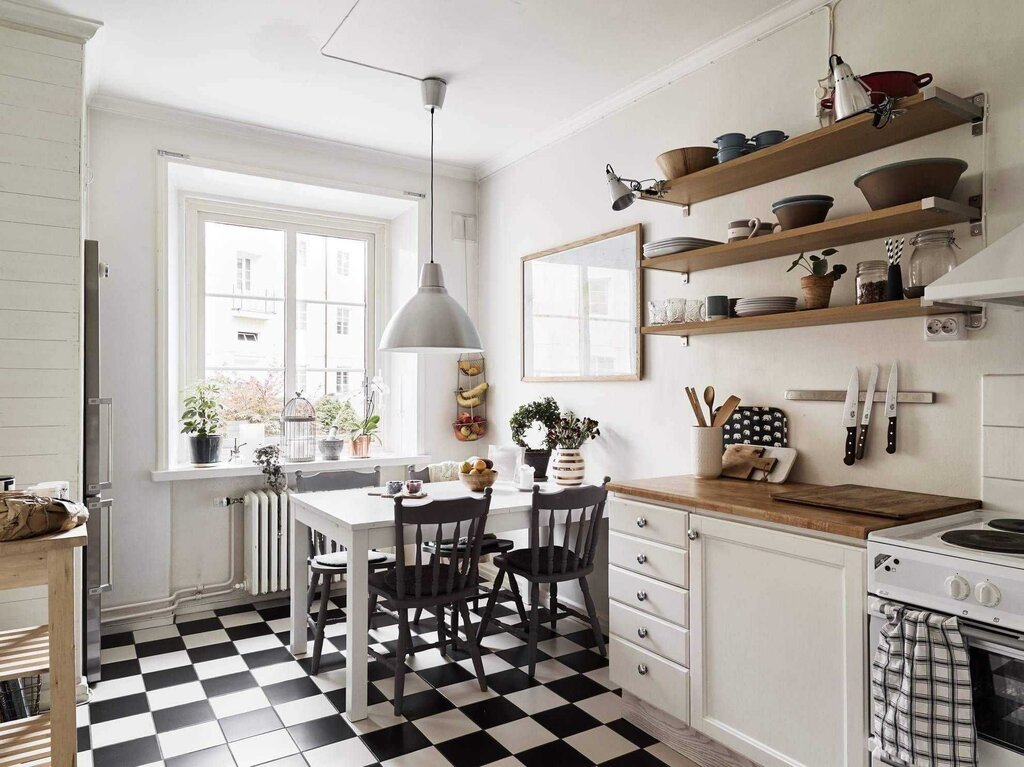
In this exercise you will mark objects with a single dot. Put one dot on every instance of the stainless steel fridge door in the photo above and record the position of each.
(99, 577)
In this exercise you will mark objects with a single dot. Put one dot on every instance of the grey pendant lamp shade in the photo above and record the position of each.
(431, 322)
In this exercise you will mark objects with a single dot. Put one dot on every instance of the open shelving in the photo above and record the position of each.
(25, 741)
(24, 652)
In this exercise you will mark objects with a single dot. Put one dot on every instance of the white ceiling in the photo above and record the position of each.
(515, 67)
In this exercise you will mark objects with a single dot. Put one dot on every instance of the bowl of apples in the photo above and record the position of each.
(469, 428)
(477, 473)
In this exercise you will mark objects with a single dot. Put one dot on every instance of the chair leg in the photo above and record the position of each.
(553, 604)
(311, 594)
(455, 627)
(400, 652)
(491, 600)
(592, 612)
(321, 621)
(520, 607)
(442, 633)
(372, 612)
(417, 615)
(534, 627)
(474, 650)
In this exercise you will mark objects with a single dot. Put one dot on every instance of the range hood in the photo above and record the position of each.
(994, 275)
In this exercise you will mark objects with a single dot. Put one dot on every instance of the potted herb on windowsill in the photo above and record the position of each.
(201, 421)
(817, 283)
(546, 413)
(569, 433)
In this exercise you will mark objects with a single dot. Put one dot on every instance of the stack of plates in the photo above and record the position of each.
(754, 307)
(676, 245)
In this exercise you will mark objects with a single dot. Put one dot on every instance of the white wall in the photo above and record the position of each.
(558, 195)
(169, 535)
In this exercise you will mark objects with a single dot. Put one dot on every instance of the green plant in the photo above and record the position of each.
(543, 411)
(330, 411)
(202, 414)
(368, 425)
(268, 458)
(818, 265)
(570, 431)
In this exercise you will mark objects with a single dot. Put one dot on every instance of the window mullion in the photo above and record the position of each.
(290, 312)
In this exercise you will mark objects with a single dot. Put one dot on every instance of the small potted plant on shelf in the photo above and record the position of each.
(569, 433)
(201, 421)
(817, 283)
(546, 413)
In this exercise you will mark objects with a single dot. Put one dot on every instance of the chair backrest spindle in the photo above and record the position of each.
(590, 502)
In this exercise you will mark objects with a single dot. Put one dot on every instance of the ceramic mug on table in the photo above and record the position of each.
(413, 486)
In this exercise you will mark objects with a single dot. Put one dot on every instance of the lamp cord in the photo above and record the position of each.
(432, 185)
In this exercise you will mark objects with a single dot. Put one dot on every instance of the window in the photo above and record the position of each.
(270, 312)
(342, 260)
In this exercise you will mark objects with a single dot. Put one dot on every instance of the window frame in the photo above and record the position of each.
(197, 211)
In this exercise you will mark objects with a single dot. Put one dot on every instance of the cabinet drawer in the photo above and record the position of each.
(659, 599)
(651, 678)
(646, 631)
(656, 523)
(655, 560)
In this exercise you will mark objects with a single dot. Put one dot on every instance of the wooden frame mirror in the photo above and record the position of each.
(581, 310)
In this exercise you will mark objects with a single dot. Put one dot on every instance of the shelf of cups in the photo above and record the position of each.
(930, 111)
(928, 213)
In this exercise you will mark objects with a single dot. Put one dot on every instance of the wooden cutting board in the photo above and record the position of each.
(878, 501)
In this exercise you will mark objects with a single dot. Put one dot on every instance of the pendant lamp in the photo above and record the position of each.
(431, 322)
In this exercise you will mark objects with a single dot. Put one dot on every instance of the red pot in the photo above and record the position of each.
(894, 82)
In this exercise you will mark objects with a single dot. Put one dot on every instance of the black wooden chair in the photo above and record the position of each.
(326, 560)
(491, 545)
(433, 584)
(581, 508)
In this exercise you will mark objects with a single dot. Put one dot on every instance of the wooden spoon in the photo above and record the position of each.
(725, 411)
(709, 400)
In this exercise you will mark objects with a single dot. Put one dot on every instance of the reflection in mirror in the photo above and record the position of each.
(581, 310)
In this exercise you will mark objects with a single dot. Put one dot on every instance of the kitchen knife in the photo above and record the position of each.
(890, 408)
(850, 417)
(865, 419)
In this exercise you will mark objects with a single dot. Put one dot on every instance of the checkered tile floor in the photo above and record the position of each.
(221, 689)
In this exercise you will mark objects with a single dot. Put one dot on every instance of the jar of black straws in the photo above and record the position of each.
(894, 281)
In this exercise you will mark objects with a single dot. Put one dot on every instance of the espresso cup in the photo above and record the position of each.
(717, 307)
(743, 230)
(394, 486)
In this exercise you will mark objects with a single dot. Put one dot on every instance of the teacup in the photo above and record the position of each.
(413, 486)
(744, 230)
(394, 486)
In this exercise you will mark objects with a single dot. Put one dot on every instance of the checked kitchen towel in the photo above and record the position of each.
(922, 713)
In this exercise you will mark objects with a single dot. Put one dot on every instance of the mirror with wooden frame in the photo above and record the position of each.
(581, 310)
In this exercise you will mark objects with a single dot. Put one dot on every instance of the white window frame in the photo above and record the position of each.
(197, 211)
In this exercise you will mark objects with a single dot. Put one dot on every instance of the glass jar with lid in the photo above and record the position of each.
(872, 277)
(932, 257)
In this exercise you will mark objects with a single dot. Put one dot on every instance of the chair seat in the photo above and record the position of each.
(521, 560)
(339, 559)
(488, 545)
(387, 582)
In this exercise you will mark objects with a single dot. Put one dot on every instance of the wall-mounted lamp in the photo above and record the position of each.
(624, 191)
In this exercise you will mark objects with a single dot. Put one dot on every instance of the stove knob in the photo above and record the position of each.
(957, 587)
(987, 594)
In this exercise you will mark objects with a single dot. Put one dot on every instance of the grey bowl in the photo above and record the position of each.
(796, 199)
(910, 180)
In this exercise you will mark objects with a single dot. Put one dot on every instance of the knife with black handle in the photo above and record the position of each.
(891, 395)
(850, 418)
(865, 420)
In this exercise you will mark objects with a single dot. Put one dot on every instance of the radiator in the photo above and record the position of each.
(266, 541)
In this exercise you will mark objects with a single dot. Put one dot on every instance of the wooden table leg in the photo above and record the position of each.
(356, 617)
(63, 736)
(300, 545)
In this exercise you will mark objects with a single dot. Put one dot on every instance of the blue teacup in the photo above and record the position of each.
(394, 486)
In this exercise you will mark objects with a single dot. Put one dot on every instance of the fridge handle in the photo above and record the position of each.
(109, 403)
(98, 506)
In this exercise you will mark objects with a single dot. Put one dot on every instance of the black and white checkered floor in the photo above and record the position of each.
(220, 689)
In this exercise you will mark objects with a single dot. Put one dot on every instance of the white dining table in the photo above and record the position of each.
(360, 521)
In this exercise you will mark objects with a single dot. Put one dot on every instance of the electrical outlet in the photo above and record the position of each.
(945, 327)
(222, 501)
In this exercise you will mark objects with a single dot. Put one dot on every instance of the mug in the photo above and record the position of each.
(717, 307)
(744, 230)
(694, 310)
(413, 486)
(394, 486)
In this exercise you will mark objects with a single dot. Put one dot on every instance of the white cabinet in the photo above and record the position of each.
(777, 635)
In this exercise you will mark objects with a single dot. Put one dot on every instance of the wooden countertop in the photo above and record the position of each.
(68, 539)
(752, 500)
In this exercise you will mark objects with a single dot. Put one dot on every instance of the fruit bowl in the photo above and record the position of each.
(469, 430)
(477, 483)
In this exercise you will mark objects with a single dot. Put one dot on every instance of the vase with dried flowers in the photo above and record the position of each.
(569, 433)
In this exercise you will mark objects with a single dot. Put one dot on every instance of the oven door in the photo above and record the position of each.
(997, 680)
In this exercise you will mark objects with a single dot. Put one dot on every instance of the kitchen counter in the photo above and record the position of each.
(752, 500)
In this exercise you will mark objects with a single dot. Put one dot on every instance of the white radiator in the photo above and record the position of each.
(267, 521)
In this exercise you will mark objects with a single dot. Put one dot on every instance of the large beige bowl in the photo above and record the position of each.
(690, 159)
(477, 483)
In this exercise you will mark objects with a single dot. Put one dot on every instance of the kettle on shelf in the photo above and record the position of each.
(850, 94)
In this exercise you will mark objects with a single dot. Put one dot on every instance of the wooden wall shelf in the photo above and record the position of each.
(930, 111)
(836, 315)
(914, 216)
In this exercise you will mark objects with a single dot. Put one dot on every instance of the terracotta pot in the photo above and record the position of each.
(567, 466)
(361, 446)
(817, 290)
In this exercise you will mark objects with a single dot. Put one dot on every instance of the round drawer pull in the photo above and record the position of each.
(641, 595)
(641, 521)
(641, 558)
(691, 534)
(641, 669)
(641, 632)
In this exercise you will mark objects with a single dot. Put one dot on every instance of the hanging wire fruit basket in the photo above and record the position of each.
(470, 398)
(298, 430)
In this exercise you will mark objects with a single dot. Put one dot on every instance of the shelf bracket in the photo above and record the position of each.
(685, 277)
(684, 341)
(977, 224)
(978, 124)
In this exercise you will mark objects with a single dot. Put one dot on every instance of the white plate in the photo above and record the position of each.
(760, 312)
(768, 298)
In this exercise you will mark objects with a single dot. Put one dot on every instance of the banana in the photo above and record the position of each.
(464, 402)
(471, 397)
(476, 391)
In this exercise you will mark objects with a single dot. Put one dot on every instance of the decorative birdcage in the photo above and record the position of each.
(298, 430)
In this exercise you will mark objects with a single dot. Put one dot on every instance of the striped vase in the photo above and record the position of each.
(567, 466)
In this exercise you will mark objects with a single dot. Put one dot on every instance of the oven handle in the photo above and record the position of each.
(987, 638)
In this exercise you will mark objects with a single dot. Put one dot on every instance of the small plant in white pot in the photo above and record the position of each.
(201, 421)
(817, 283)
(569, 433)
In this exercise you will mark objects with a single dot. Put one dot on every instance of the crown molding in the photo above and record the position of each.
(752, 32)
(145, 110)
(48, 22)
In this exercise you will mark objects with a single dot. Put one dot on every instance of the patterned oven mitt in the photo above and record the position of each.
(757, 426)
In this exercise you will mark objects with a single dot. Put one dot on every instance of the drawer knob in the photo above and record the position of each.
(641, 632)
(692, 534)
(641, 558)
(641, 595)
(641, 669)
(641, 521)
